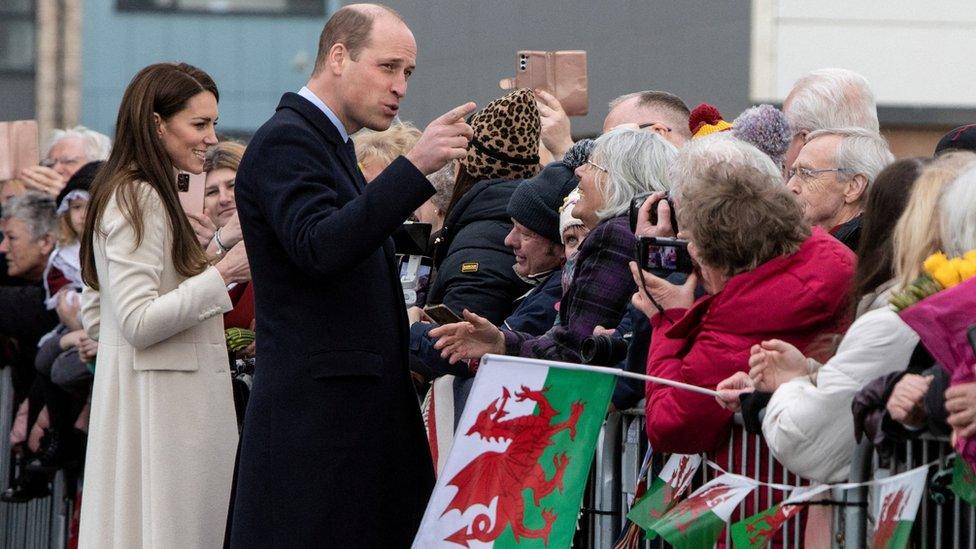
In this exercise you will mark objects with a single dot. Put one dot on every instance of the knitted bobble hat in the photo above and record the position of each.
(962, 138)
(566, 219)
(706, 120)
(535, 203)
(506, 138)
(765, 127)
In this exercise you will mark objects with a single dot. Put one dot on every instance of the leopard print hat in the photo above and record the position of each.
(506, 138)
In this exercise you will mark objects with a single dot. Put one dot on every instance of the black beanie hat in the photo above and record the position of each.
(962, 138)
(535, 203)
(80, 181)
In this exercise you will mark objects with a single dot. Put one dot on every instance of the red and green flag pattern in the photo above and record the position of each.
(665, 491)
(895, 508)
(521, 457)
(964, 481)
(756, 531)
(698, 521)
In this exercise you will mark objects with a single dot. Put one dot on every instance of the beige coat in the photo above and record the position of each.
(163, 433)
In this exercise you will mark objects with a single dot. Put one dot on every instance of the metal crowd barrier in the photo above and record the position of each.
(942, 520)
(619, 456)
(41, 523)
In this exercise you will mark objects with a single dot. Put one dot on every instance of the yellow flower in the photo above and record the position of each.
(947, 275)
(935, 262)
(967, 269)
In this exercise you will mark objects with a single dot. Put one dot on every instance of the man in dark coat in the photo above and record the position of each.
(333, 451)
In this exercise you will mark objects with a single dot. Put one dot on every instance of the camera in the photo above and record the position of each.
(604, 350)
(638, 201)
(663, 254)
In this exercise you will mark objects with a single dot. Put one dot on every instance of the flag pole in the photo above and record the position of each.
(604, 370)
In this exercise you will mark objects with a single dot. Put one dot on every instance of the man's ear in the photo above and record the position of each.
(856, 189)
(338, 55)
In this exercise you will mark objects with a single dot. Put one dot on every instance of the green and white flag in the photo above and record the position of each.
(673, 481)
(521, 456)
(698, 521)
(756, 531)
(964, 481)
(895, 507)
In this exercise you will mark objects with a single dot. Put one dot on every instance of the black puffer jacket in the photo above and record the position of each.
(474, 267)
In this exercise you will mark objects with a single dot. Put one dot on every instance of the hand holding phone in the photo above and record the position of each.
(561, 73)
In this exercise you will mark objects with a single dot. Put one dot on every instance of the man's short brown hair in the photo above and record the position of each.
(739, 218)
(350, 26)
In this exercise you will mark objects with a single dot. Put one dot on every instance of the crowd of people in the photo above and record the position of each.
(799, 223)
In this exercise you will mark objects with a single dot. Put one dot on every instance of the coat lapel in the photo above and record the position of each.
(322, 123)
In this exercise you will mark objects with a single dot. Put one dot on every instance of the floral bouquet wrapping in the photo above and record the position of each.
(941, 307)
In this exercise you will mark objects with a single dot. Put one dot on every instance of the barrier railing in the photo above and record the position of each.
(41, 523)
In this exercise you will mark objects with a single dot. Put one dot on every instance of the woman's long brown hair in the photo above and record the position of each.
(139, 155)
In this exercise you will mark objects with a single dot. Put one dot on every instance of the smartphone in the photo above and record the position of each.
(19, 147)
(664, 254)
(412, 238)
(191, 189)
(442, 314)
(561, 73)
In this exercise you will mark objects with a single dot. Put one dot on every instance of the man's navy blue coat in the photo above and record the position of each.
(333, 452)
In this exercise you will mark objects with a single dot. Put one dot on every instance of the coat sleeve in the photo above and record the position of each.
(809, 428)
(599, 293)
(679, 421)
(298, 196)
(24, 313)
(91, 312)
(145, 315)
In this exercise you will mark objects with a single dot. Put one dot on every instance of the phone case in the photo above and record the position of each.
(192, 198)
(561, 73)
(19, 147)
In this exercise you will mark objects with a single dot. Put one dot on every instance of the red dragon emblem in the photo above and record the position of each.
(504, 475)
(764, 528)
(891, 509)
(688, 511)
(676, 484)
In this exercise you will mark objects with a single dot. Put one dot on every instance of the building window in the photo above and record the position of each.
(258, 7)
(17, 35)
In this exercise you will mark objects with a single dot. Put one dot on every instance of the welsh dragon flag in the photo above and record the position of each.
(964, 481)
(896, 506)
(521, 456)
(672, 482)
(697, 521)
(756, 531)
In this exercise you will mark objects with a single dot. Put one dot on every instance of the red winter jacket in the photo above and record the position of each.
(795, 298)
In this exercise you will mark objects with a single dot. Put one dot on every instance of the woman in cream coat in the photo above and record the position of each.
(163, 433)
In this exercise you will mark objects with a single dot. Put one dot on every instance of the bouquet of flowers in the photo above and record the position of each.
(940, 305)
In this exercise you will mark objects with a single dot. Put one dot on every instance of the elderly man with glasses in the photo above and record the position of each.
(831, 175)
(68, 150)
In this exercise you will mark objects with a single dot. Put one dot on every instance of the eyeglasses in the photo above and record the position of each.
(807, 174)
(597, 166)
(649, 124)
(67, 161)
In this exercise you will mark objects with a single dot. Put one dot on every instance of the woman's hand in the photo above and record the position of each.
(68, 307)
(556, 135)
(960, 402)
(473, 338)
(730, 389)
(663, 228)
(905, 403)
(43, 179)
(72, 339)
(203, 227)
(230, 233)
(234, 266)
(87, 349)
(773, 363)
(667, 295)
